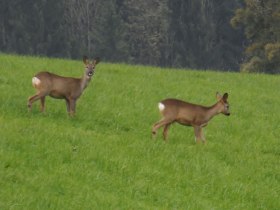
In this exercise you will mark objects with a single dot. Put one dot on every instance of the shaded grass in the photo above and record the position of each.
(104, 158)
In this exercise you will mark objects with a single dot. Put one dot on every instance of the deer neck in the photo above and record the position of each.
(212, 111)
(84, 82)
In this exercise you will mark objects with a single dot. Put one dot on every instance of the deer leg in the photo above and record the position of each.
(67, 105)
(160, 123)
(198, 134)
(165, 131)
(34, 98)
(42, 103)
(72, 107)
(202, 136)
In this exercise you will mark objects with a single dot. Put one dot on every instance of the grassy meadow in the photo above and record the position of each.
(105, 158)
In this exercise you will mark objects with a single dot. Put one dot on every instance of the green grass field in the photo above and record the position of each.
(104, 157)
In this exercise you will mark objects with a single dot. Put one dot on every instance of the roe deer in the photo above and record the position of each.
(59, 87)
(188, 114)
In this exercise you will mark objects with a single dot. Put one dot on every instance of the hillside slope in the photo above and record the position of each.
(104, 158)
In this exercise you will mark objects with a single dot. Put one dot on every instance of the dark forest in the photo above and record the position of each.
(232, 35)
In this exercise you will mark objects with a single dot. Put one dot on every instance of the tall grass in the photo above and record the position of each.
(104, 158)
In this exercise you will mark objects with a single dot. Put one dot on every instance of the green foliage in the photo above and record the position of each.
(104, 158)
(272, 52)
(260, 20)
(178, 33)
(255, 64)
(201, 36)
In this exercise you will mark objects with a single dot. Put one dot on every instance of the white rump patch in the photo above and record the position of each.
(161, 106)
(35, 81)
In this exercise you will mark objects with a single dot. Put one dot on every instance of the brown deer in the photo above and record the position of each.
(188, 114)
(68, 88)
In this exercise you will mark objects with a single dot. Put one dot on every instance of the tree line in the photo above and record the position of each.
(200, 34)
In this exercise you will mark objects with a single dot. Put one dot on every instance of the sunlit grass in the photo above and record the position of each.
(104, 157)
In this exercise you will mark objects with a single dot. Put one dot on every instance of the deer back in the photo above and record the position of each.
(190, 114)
(181, 111)
(56, 86)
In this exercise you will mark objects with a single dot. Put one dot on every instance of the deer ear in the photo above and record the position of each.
(218, 96)
(85, 59)
(96, 61)
(225, 96)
